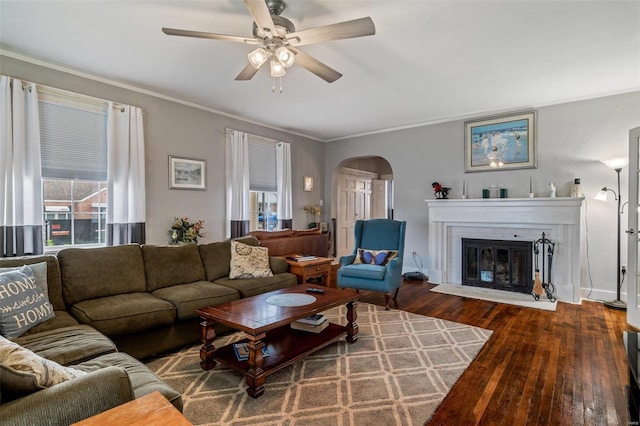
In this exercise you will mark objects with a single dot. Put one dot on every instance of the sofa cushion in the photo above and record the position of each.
(170, 265)
(124, 313)
(54, 285)
(364, 270)
(253, 286)
(62, 319)
(249, 261)
(189, 297)
(68, 345)
(22, 304)
(23, 372)
(265, 235)
(143, 380)
(216, 257)
(100, 272)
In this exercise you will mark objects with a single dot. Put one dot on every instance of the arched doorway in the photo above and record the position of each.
(362, 190)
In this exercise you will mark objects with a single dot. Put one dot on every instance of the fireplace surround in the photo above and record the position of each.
(509, 219)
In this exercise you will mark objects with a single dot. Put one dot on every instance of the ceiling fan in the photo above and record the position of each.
(278, 40)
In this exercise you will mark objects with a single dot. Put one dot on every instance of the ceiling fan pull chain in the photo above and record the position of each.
(280, 84)
(273, 85)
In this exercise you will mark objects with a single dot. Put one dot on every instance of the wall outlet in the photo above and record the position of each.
(623, 269)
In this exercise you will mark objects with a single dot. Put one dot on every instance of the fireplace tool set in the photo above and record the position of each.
(546, 256)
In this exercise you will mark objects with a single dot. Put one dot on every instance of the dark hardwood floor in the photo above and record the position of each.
(566, 367)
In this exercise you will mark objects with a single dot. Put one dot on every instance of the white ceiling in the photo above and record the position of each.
(430, 61)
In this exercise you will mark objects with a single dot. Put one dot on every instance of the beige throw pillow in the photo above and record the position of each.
(249, 261)
(23, 372)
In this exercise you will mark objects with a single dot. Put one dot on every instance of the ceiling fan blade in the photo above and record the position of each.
(348, 29)
(214, 36)
(261, 16)
(247, 73)
(313, 65)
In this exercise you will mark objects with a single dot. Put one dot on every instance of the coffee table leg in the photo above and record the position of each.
(255, 375)
(208, 349)
(352, 327)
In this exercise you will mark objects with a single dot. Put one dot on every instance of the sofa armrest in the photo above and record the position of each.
(278, 265)
(70, 401)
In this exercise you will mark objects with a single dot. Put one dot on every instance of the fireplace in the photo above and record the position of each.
(497, 264)
(509, 219)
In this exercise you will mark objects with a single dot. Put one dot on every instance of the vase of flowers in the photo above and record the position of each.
(183, 231)
(313, 211)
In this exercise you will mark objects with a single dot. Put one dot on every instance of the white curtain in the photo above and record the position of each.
(237, 175)
(125, 175)
(21, 211)
(283, 176)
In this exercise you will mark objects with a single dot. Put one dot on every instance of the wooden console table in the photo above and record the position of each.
(318, 268)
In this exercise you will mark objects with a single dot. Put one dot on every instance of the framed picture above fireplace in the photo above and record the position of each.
(503, 142)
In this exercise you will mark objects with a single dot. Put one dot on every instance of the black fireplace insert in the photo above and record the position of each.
(498, 264)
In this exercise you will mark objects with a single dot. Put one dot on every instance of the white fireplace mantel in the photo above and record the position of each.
(513, 219)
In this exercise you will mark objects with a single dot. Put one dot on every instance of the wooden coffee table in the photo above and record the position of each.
(266, 324)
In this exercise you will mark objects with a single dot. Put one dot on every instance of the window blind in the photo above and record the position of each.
(73, 141)
(262, 166)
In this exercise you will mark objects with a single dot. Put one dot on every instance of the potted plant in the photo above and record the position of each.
(183, 231)
(313, 211)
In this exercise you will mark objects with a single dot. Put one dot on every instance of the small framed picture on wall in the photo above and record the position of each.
(308, 183)
(187, 173)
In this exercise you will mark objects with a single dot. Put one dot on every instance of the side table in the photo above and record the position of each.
(149, 410)
(317, 268)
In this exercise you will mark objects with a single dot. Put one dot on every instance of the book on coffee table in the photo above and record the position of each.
(309, 327)
(242, 351)
(314, 319)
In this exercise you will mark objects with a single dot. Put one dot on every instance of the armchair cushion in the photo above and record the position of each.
(375, 257)
(363, 270)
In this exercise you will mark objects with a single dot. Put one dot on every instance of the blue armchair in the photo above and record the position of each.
(376, 262)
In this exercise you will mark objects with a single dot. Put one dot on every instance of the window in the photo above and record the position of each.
(263, 211)
(73, 133)
(263, 197)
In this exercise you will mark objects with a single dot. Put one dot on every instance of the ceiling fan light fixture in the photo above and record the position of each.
(258, 57)
(285, 56)
(277, 70)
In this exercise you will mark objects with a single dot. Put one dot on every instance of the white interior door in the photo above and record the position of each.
(379, 199)
(633, 277)
(354, 203)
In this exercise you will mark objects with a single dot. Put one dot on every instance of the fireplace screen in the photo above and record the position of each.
(498, 264)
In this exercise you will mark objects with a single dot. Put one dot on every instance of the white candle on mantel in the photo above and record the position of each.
(464, 185)
(530, 186)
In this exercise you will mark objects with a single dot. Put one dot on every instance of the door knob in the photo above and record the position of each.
(630, 231)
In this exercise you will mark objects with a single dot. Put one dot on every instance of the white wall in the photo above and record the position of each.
(173, 128)
(572, 139)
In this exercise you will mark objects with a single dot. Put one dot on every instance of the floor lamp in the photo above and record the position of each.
(616, 164)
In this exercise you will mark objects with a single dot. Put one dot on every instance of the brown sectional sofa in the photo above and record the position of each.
(289, 241)
(115, 304)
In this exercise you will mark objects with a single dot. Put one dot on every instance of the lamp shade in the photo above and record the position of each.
(602, 195)
(616, 163)
(277, 70)
(285, 56)
(257, 57)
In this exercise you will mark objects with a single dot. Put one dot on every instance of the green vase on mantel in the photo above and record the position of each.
(313, 225)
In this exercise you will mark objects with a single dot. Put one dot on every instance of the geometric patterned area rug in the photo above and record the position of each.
(500, 296)
(396, 373)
